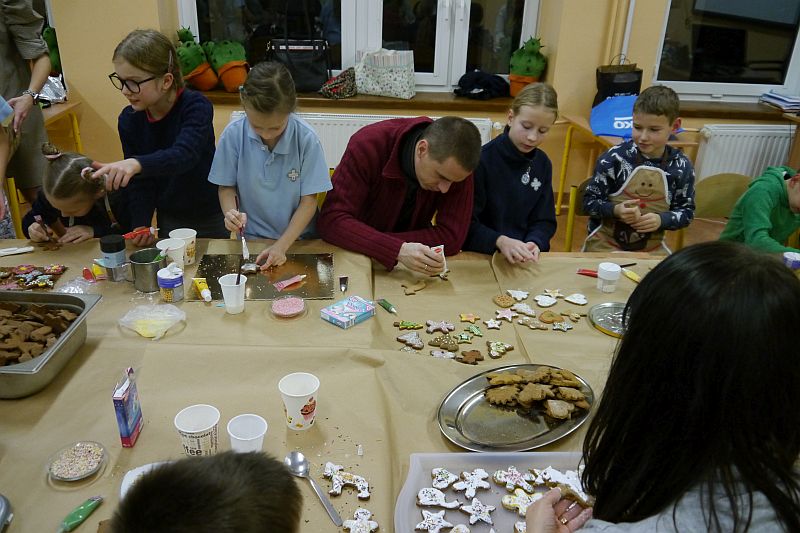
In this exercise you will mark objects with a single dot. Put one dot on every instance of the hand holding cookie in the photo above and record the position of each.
(516, 251)
(554, 514)
(420, 258)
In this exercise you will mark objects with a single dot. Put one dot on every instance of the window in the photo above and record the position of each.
(449, 37)
(730, 49)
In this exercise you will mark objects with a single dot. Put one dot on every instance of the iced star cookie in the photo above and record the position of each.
(505, 314)
(432, 522)
(443, 478)
(519, 501)
(513, 478)
(492, 323)
(471, 482)
(430, 497)
(478, 511)
(361, 522)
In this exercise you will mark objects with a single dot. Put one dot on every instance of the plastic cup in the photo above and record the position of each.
(197, 427)
(299, 393)
(247, 433)
(232, 293)
(189, 236)
(175, 248)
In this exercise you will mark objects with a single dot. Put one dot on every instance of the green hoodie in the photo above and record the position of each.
(761, 218)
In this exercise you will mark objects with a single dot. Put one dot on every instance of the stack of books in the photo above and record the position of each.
(786, 102)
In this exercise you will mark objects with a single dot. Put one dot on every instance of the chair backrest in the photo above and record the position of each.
(716, 195)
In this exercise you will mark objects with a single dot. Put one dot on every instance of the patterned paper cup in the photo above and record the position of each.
(197, 427)
(299, 393)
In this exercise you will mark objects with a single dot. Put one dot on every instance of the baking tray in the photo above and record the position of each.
(407, 514)
(318, 284)
(607, 318)
(26, 378)
(468, 420)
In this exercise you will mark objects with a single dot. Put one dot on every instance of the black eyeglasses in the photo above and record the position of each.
(132, 86)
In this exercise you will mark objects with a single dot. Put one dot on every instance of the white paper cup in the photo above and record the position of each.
(176, 249)
(197, 427)
(232, 293)
(247, 433)
(299, 393)
(189, 236)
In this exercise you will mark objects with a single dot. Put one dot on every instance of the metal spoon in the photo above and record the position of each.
(298, 465)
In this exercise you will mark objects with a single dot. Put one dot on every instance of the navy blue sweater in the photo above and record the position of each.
(97, 218)
(513, 197)
(175, 153)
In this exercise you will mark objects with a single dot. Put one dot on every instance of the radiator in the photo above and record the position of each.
(742, 148)
(335, 129)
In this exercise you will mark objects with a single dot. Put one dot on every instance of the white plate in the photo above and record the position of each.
(407, 514)
(133, 475)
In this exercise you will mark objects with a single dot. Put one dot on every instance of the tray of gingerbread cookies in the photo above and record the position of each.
(515, 408)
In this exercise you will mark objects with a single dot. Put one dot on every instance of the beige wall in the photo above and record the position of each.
(578, 35)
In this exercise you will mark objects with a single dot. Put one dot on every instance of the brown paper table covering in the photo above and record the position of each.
(371, 393)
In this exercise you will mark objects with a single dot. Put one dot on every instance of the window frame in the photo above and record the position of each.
(728, 92)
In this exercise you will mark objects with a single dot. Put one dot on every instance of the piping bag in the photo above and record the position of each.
(79, 514)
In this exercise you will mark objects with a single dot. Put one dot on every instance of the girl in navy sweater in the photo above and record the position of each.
(167, 137)
(513, 204)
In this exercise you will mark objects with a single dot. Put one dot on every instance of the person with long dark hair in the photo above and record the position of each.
(698, 428)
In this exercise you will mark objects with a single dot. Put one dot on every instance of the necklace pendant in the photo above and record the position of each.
(526, 178)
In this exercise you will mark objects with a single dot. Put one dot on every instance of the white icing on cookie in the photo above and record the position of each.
(472, 481)
(339, 479)
(361, 522)
(570, 480)
(411, 339)
(520, 500)
(444, 327)
(478, 511)
(543, 300)
(517, 294)
(460, 528)
(520, 527)
(512, 478)
(524, 309)
(577, 299)
(432, 522)
(443, 478)
(430, 497)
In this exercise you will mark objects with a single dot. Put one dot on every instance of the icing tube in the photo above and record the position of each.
(280, 285)
(202, 289)
(80, 513)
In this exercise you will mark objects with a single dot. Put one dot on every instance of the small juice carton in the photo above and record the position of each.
(129, 412)
(348, 312)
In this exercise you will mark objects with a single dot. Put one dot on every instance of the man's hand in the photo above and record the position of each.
(235, 220)
(271, 256)
(554, 514)
(516, 251)
(647, 223)
(628, 211)
(118, 174)
(76, 234)
(420, 258)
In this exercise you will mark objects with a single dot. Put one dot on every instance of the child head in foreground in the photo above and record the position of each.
(226, 493)
(655, 118)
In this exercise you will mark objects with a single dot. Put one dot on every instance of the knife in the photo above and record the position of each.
(245, 250)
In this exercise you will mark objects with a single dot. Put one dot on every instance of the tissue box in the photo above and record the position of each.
(348, 312)
(129, 413)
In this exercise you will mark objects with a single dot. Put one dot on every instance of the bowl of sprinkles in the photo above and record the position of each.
(76, 461)
(288, 306)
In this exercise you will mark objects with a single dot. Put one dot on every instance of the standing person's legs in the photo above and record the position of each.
(27, 165)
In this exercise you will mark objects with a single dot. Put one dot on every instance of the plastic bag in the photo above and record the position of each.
(152, 321)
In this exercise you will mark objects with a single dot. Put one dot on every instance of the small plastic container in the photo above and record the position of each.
(607, 276)
(170, 284)
(288, 307)
(76, 461)
(113, 248)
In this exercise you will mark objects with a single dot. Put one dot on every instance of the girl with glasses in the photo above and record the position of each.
(167, 138)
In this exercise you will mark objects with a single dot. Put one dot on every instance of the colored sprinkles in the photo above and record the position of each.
(77, 461)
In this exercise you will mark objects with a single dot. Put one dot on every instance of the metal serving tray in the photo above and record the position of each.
(26, 378)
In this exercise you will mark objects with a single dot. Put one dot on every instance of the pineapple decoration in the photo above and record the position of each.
(526, 65)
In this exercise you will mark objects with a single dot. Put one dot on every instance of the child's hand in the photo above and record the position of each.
(647, 223)
(37, 233)
(76, 234)
(554, 514)
(516, 251)
(235, 220)
(148, 239)
(628, 211)
(118, 174)
(271, 256)
(420, 258)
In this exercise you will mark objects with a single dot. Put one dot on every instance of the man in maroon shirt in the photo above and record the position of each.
(392, 179)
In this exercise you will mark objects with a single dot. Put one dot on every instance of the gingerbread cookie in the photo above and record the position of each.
(460, 528)
(411, 288)
(443, 354)
(445, 342)
(558, 409)
(465, 337)
(553, 293)
(430, 497)
(564, 378)
(549, 317)
(478, 512)
(361, 522)
(532, 323)
(524, 309)
(562, 326)
(572, 315)
(543, 300)
(471, 482)
(534, 392)
(576, 298)
(54, 269)
(470, 357)
(503, 300)
(444, 327)
(518, 295)
(519, 501)
(505, 314)
(475, 330)
(498, 349)
(569, 482)
(513, 478)
(442, 478)
(541, 374)
(339, 479)
(503, 395)
(405, 324)
(411, 339)
(432, 522)
(503, 378)
(569, 394)
(492, 323)
(520, 527)
(469, 317)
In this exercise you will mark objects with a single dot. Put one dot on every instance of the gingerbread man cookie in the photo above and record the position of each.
(444, 327)
(339, 479)
(478, 511)
(430, 497)
(519, 501)
(470, 357)
(361, 522)
(413, 288)
(442, 478)
(411, 339)
(471, 482)
(432, 522)
(513, 478)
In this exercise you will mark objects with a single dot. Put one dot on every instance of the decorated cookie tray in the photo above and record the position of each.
(408, 514)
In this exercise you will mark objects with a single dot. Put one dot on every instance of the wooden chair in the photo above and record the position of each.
(575, 208)
(12, 194)
(715, 197)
